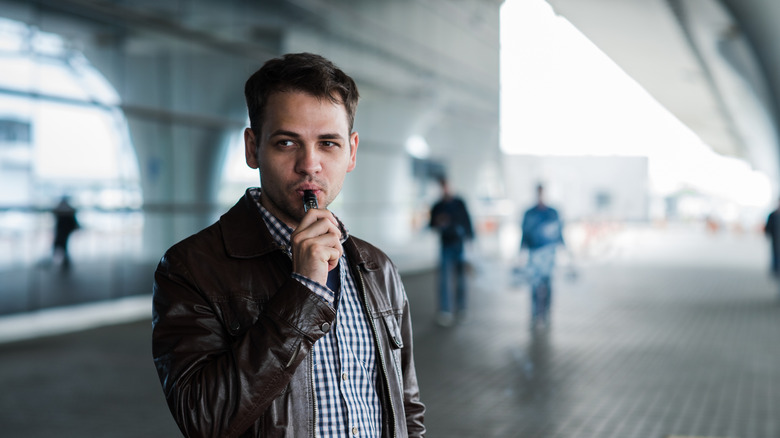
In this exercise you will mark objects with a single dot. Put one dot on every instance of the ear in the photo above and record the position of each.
(250, 148)
(353, 145)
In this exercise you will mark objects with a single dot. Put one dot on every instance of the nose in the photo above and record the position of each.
(308, 161)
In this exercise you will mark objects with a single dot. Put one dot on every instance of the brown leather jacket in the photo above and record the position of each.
(232, 333)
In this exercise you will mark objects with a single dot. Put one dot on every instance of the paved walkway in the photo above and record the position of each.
(673, 333)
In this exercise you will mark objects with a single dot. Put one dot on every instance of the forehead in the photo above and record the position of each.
(297, 107)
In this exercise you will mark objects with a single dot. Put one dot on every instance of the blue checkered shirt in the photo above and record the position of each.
(344, 360)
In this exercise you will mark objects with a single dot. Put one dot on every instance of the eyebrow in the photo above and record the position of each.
(329, 136)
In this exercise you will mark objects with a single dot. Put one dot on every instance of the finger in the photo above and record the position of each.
(316, 214)
(321, 252)
(321, 225)
(314, 257)
(334, 256)
(317, 234)
(324, 233)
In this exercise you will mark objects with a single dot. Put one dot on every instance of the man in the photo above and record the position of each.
(771, 231)
(275, 321)
(541, 234)
(65, 224)
(450, 217)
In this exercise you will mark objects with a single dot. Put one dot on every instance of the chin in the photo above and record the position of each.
(295, 212)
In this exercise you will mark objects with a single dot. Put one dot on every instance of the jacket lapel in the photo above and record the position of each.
(243, 230)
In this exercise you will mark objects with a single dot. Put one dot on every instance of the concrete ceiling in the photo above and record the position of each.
(441, 54)
(712, 64)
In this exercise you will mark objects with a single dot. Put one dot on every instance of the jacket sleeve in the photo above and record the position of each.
(413, 407)
(467, 220)
(525, 232)
(217, 379)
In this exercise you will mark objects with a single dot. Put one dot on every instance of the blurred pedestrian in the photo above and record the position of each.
(450, 218)
(65, 224)
(771, 231)
(542, 232)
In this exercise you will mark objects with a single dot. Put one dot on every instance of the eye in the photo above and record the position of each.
(330, 144)
(285, 143)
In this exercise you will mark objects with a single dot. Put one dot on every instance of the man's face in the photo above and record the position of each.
(304, 144)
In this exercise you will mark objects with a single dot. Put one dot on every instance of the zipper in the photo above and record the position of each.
(379, 344)
(313, 393)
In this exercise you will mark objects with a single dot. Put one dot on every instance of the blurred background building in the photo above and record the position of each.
(649, 112)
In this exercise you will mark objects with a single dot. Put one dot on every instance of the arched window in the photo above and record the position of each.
(236, 176)
(62, 133)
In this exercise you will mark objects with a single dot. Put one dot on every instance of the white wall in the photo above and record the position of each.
(573, 184)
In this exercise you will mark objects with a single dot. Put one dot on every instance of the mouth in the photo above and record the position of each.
(304, 187)
(301, 192)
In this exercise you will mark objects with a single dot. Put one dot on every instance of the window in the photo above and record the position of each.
(62, 132)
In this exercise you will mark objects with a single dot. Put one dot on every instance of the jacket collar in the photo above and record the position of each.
(244, 232)
(358, 253)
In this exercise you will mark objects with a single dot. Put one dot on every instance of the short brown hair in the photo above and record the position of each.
(306, 72)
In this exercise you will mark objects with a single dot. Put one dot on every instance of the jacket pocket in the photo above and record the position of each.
(238, 313)
(393, 332)
(396, 344)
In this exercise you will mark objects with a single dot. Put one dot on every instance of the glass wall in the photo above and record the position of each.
(63, 141)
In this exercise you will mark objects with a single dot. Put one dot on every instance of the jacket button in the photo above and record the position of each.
(325, 327)
(235, 325)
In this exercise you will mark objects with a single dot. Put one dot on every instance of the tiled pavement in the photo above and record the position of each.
(631, 353)
(655, 338)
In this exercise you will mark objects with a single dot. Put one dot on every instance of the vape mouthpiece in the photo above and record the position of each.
(309, 200)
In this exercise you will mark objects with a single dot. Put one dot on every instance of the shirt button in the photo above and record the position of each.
(354, 431)
(325, 327)
(343, 376)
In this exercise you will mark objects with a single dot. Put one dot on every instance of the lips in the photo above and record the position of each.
(301, 190)
(314, 188)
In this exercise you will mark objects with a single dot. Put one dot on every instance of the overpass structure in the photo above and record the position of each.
(713, 63)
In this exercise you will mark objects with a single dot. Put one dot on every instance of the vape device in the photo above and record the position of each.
(309, 200)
